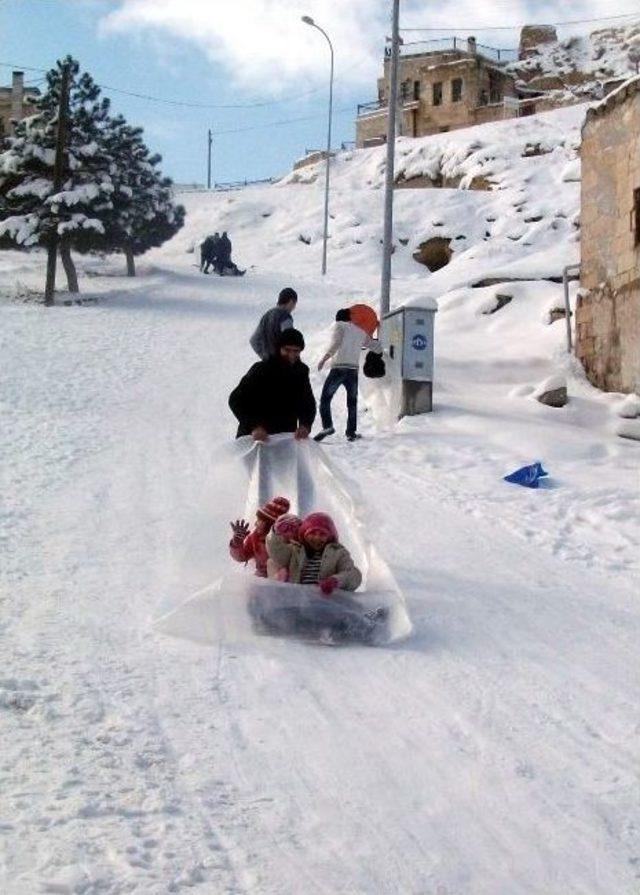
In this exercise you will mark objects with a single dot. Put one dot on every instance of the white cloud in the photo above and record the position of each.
(263, 44)
(267, 49)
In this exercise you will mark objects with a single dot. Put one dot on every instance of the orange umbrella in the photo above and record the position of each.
(364, 317)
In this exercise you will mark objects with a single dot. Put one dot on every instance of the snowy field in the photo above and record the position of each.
(495, 751)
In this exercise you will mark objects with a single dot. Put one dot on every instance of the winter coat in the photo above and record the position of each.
(253, 547)
(274, 394)
(224, 249)
(336, 562)
(209, 249)
(264, 339)
(347, 342)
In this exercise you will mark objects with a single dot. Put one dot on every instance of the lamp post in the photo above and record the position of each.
(309, 21)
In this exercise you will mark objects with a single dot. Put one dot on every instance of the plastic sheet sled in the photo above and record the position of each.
(230, 603)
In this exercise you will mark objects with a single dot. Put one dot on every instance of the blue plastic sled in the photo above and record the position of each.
(529, 476)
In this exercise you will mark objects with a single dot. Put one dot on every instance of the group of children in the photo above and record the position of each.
(285, 547)
(307, 551)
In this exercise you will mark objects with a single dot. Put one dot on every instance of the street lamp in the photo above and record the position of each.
(309, 21)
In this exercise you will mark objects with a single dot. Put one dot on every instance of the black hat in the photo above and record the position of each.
(291, 338)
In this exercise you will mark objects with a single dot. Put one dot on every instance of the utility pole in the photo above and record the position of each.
(387, 241)
(58, 171)
(209, 141)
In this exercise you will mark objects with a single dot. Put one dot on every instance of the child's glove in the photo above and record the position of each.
(282, 574)
(328, 585)
(240, 530)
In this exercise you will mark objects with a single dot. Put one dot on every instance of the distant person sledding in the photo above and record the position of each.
(209, 252)
(215, 252)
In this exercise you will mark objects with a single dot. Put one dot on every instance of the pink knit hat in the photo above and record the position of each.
(288, 526)
(320, 522)
(278, 506)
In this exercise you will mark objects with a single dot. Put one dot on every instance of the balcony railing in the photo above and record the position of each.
(460, 44)
(368, 108)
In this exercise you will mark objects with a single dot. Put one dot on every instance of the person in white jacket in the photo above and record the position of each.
(344, 350)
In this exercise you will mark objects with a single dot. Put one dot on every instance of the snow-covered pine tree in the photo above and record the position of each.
(144, 214)
(30, 211)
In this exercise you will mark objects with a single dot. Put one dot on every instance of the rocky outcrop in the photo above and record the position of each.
(435, 253)
(552, 392)
(531, 36)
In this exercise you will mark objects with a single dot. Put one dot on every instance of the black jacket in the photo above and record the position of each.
(274, 394)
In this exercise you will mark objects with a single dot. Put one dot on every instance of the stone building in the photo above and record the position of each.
(608, 309)
(16, 102)
(440, 90)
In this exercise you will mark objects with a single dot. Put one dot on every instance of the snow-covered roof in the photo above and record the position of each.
(617, 96)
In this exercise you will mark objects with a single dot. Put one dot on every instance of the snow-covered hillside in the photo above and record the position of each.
(495, 751)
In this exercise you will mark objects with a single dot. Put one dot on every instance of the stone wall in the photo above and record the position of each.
(608, 312)
(311, 158)
(608, 337)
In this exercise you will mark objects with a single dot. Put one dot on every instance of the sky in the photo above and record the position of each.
(201, 56)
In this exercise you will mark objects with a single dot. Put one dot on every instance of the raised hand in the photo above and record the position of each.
(240, 529)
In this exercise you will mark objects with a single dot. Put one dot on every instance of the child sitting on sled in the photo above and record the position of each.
(246, 545)
(311, 555)
(285, 531)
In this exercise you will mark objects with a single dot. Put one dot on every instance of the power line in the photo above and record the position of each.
(237, 130)
(255, 127)
(186, 103)
(627, 15)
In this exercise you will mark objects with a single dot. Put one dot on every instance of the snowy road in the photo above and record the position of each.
(496, 751)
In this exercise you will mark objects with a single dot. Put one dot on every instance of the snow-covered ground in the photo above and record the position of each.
(496, 750)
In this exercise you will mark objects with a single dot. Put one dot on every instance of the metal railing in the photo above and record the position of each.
(240, 184)
(459, 44)
(374, 106)
(220, 187)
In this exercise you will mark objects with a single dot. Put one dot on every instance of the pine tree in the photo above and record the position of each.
(143, 213)
(30, 211)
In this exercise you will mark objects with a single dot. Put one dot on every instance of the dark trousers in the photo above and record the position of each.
(340, 376)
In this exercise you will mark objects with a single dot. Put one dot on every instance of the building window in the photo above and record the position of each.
(404, 91)
(416, 89)
(495, 87)
(456, 90)
(437, 93)
(636, 216)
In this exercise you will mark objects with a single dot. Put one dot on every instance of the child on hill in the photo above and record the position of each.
(313, 556)
(285, 532)
(246, 545)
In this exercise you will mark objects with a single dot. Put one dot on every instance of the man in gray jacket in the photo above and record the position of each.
(264, 341)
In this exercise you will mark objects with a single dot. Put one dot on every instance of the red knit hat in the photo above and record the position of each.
(318, 522)
(275, 507)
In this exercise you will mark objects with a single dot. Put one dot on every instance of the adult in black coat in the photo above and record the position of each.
(209, 252)
(275, 395)
(223, 258)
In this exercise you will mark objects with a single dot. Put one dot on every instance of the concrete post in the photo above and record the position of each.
(17, 94)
